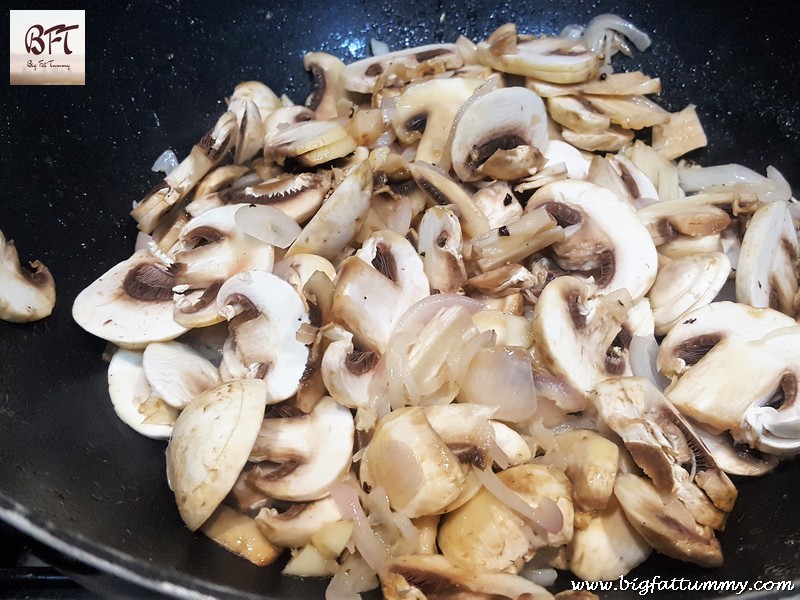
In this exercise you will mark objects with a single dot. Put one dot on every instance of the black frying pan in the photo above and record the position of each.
(74, 158)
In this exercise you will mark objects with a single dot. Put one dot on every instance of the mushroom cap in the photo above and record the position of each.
(768, 270)
(24, 295)
(210, 444)
(348, 373)
(602, 232)
(690, 339)
(177, 373)
(131, 304)
(314, 451)
(265, 346)
(128, 389)
(504, 118)
(326, 72)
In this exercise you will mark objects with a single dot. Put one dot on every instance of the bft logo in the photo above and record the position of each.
(35, 38)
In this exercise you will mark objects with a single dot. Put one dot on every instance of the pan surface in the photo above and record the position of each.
(75, 158)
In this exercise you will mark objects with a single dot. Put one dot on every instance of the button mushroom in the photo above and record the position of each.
(130, 305)
(295, 526)
(25, 295)
(264, 346)
(326, 90)
(440, 246)
(210, 444)
(177, 373)
(308, 453)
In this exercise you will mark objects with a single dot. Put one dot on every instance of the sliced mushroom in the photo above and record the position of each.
(309, 142)
(250, 139)
(686, 284)
(326, 91)
(440, 246)
(347, 372)
(238, 533)
(219, 178)
(691, 339)
(432, 576)
(664, 445)
(558, 60)
(363, 75)
(695, 217)
(298, 196)
(212, 248)
(253, 91)
(665, 522)
(501, 120)
(751, 388)
(613, 139)
(607, 547)
(210, 443)
(25, 295)
(130, 305)
(376, 286)
(425, 112)
(577, 114)
(265, 345)
(294, 527)
(602, 235)
(576, 163)
(298, 269)
(340, 216)
(406, 457)
(613, 84)
(629, 112)
(309, 453)
(498, 202)
(735, 458)
(591, 466)
(768, 271)
(578, 336)
(132, 399)
(177, 373)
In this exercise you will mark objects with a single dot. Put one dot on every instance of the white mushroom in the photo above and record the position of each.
(25, 295)
(554, 59)
(502, 120)
(768, 271)
(326, 90)
(177, 373)
(132, 399)
(265, 345)
(558, 151)
(210, 444)
(347, 372)
(306, 454)
(602, 234)
(294, 527)
(440, 246)
(499, 203)
(130, 305)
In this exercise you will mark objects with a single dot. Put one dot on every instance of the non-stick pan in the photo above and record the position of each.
(75, 158)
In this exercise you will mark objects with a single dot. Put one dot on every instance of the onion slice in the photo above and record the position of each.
(165, 162)
(371, 548)
(267, 224)
(546, 516)
(423, 311)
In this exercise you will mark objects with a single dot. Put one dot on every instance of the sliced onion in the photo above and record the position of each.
(546, 515)
(165, 162)
(371, 548)
(497, 455)
(352, 577)
(538, 575)
(378, 47)
(423, 311)
(559, 391)
(643, 354)
(601, 25)
(267, 224)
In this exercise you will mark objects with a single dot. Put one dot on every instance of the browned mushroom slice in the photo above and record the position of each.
(25, 295)
(664, 445)
(295, 526)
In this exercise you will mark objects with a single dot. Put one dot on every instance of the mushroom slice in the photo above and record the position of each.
(613, 84)
(239, 534)
(265, 345)
(309, 452)
(735, 458)
(607, 546)
(558, 60)
(251, 134)
(212, 248)
(686, 284)
(498, 203)
(665, 522)
(298, 196)
(347, 372)
(768, 271)
(602, 234)
(501, 120)
(210, 443)
(363, 75)
(253, 91)
(326, 89)
(629, 112)
(559, 152)
(219, 178)
(591, 466)
(611, 140)
(376, 286)
(691, 339)
(695, 217)
(425, 112)
(748, 387)
(664, 445)
(340, 216)
(130, 305)
(131, 397)
(440, 248)
(25, 295)
(205, 155)
(577, 114)
(487, 535)
(177, 373)
(294, 527)
(406, 457)
(298, 269)
(432, 576)
(505, 280)
(578, 335)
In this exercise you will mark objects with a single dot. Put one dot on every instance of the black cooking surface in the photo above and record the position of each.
(73, 159)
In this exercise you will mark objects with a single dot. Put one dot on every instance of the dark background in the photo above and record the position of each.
(73, 159)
